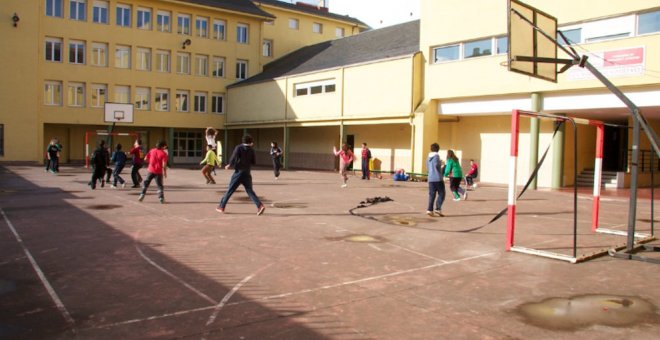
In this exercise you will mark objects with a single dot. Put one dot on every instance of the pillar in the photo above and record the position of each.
(558, 158)
(534, 124)
(285, 147)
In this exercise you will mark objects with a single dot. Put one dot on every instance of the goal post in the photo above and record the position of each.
(513, 174)
(135, 135)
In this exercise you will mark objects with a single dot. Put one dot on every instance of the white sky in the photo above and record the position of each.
(375, 13)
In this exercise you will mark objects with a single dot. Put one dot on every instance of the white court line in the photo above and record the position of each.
(42, 277)
(293, 293)
(417, 253)
(176, 278)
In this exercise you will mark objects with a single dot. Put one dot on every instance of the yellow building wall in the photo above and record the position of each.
(389, 144)
(20, 85)
(316, 106)
(270, 106)
(586, 150)
(286, 40)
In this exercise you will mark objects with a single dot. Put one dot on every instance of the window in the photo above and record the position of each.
(163, 61)
(218, 67)
(202, 65)
(53, 93)
(183, 63)
(648, 22)
(183, 24)
(99, 95)
(76, 94)
(339, 32)
(163, 21)
(502, 45)
(182, 101)
(448, 53)
(54, 8)
(122, 56)
(317, 87)
(200, 102)
(219, 29)
(241, 69)
(293, 24)
(574, 36)
(161, 100)
(477, 48)
(202, 26)
(242, 34)
(76, 52)
(143, 59)
(122, 94)
(317, 28)
(217, 103)
(53, 49)
(100, 12)
(99, 54)
(142, 98)
(267, 48)
(77, 10)
(144, 18)
(123, 15)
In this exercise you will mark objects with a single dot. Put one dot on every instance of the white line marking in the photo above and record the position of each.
(229, 294)
(417, 253)
(176, 278)
(42, 277)
(374, 246)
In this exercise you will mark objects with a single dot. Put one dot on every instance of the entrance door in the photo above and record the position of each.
(189, 147)
(615, 149)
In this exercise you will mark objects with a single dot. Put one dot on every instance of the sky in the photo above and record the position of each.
(375, 13)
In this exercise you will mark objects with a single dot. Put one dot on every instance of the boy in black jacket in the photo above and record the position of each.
(242, 160)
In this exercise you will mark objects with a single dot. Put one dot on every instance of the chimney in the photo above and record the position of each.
(320, 7)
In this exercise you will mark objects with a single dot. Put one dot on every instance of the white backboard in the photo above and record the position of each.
(118, 113)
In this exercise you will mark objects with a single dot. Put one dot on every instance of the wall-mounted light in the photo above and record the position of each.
(187, 42)
(15, 19)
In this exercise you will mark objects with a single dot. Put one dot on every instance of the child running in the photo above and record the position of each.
(455, 173)
(209, 162)
(242, 160)
(345, 158)
(136, 156)
(276, 155)
(53, 155)
(157, 159)
(436, 184)
(99, 162)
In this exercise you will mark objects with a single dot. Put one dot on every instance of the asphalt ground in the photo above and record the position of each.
(77, 263)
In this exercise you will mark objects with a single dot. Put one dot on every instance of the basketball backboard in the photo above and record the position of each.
(118, 113)
(532, 52)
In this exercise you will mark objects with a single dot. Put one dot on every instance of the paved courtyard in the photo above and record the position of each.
(77, 263)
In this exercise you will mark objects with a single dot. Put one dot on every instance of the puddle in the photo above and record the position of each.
(358, 238)
(404, 220)
(104, 206)
(288, 205)
(582, 311)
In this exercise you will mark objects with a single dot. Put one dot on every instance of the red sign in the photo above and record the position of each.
(630, 56)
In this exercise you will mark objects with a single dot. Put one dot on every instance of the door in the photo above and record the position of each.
(615, 148)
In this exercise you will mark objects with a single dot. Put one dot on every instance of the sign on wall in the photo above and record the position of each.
(627, 62)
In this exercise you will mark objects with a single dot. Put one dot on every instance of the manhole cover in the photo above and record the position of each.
(405, 220)
(104, 206)
(587, 310)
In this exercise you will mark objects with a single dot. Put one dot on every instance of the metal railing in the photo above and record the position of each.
(648, 161)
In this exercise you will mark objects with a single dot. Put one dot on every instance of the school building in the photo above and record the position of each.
(172, 59)
(309, 79)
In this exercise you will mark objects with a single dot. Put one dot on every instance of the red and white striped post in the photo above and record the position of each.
(513, 174)
(598, 172)
(86, 149)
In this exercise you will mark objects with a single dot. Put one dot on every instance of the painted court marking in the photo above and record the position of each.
(40, 273)
(304, 291)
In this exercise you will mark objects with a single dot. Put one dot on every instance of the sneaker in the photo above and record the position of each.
(430, 213)
(141, 197)
(161, 200)
(261, 210)
(123, 185)
(439, 213)
(220, 209)
(102, 184)
(212, 182)
(474, 186)
(113, 186)
(465, 195)
(344, 185)
(456, 199)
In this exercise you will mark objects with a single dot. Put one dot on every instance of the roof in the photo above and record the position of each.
(389, 42)
(302, 7)
(243, 6)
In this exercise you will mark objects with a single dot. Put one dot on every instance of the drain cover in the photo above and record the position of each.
(359, 238)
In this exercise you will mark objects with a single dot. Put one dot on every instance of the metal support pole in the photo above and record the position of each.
(534, 127)
(558, 158)
(632, 209)
(286, 147)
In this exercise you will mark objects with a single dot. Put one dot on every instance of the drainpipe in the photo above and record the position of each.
(537, 103)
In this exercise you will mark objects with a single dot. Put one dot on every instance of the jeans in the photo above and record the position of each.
(159, 183)
(365, 169)
(455, 186)
(115, 174)
(277, 165)
(135, 174)
(52, 164)
(240, 177)
(439, 188)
